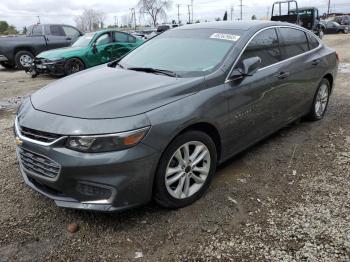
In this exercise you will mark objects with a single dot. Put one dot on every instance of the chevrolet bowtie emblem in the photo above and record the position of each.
(18, 141)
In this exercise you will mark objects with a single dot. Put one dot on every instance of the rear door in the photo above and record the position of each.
(255, 102)
(300, 64)
(56, 37)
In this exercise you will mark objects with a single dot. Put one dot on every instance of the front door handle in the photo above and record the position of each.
(282, 75)
(316, 62)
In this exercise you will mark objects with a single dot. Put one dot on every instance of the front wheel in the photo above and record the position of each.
(73, 65)
(320, 102)
(185, 170)
(24, 59)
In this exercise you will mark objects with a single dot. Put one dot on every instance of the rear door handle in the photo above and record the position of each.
(316, 62)
(282, 75)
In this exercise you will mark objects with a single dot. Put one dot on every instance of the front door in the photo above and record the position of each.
(255, 102)
(100, 51)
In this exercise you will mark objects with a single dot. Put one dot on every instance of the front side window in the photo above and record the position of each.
(70, 31)
(264, 45)
(37, 30)
(294, 42)
(103, 39)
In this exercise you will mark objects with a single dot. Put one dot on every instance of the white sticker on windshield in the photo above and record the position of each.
(228, 37)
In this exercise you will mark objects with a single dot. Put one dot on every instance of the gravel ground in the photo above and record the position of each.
(285, 199)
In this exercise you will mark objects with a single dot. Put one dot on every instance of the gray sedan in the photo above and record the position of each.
(156, 123)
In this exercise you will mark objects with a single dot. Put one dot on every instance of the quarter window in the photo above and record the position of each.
(264, 45)
(294, 42)
(313, 42)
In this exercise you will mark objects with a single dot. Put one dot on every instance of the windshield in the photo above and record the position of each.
(188, 53)
(84, 40)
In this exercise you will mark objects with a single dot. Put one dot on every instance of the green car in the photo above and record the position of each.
(89, 50)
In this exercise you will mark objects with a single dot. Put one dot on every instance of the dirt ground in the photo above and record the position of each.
(285, 199)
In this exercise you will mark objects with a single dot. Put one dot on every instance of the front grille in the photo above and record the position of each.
(38, 135)
(39, 164)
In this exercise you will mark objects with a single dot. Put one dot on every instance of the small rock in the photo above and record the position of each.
(138, 254)
(73, 227)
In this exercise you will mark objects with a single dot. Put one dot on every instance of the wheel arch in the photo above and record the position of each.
(23, 48)
(330, 78)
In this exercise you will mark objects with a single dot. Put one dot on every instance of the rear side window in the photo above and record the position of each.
(70, 31)
(264, 45)
(313, 42)
(294, 42)
(57, 30)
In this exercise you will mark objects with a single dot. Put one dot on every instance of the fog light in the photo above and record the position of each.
(93, 192)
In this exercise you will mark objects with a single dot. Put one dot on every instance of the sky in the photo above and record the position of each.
(22, 13)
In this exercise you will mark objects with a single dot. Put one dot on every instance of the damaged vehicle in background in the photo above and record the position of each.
(19, 51)
(89, 50)
(157, 123)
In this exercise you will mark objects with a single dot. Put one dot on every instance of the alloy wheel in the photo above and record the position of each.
(321, 100)
(187, 170)
(26, 60)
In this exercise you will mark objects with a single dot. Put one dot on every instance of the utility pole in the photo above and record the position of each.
(38, 19)
(178, 14)
(189, 14)
(133, 17)
(232, 9)
(329, 7)
(115, 21)
(192, 10)
(241, 6)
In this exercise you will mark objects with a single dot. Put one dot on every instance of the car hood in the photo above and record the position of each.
(60, 52)
(104, 92)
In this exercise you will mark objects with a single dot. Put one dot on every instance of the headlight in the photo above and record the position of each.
(105, 143)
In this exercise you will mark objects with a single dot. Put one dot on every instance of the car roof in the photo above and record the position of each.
(235, 25)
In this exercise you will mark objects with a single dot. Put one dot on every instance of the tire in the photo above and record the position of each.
(320, 101)
(6, 65)
(166, 194)
(23, 59)
(73, 65)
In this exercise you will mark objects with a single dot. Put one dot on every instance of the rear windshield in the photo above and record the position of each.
(192, 52)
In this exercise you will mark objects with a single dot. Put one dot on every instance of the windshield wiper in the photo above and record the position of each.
(154, 70)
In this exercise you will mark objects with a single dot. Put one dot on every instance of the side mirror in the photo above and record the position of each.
(94, 48)
(248, 68)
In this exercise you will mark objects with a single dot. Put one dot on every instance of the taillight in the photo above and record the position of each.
(337, 56)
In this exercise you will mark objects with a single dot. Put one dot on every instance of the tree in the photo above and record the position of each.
(24, 31)
(90, 20)
(218, 19)
(154, 8)
(3, 26)
(225, 16)
(253, 17)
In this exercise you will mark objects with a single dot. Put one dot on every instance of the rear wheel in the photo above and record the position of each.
(73, 65)
(320, 102)
(23, 59)
(185, 170)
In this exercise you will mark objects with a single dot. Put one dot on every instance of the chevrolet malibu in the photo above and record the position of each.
(156, 123)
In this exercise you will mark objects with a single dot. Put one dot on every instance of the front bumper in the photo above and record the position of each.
(45, 66)
(124, 177)
(3, 58)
